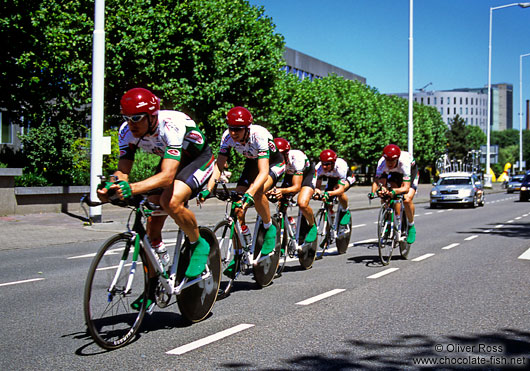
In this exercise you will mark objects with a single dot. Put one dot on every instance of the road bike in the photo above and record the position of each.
(392, 228)
(126, 272)
(247, 258)
(329, 228)
(293, 234)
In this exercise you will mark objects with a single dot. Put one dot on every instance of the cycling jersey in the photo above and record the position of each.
(175, 137)
(260, 143)
(340, 172)
(298, 164)
(406, 170)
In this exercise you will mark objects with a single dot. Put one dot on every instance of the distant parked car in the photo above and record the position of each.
(514, 184)
(524, 195)
(457, 188)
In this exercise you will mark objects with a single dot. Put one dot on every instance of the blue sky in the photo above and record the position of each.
(371, 38)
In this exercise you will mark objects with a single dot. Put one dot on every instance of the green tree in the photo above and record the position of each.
(351, 118)
(462, 138)
(199, 56)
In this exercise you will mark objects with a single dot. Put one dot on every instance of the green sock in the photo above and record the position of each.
(270, 241)
(199, 258)
(312, 234)
(230, 269)
(412, 234)
(345, 218)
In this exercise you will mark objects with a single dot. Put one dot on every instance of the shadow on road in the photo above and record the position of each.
(416, 351)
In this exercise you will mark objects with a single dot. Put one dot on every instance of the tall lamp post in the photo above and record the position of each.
(521, 110)
(487, 177)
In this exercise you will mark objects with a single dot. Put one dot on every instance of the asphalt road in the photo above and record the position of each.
(462, 296)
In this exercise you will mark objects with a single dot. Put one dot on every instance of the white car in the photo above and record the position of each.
(457, 188)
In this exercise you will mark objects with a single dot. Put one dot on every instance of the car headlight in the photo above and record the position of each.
(523, 188)
(434, 193)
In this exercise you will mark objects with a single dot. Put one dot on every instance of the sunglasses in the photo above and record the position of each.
(236, 128)
(134, 118)
(327, 164)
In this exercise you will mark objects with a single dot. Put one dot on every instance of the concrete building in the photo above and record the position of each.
(307, 67)
(472, 105)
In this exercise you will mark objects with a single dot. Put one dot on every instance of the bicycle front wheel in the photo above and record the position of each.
(114, 282)
(385, 236)
(222, 232)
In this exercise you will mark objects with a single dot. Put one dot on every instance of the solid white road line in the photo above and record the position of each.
(23, 281)
(423, 257)
(209, 339)
(470, 237)
(450, 246)
(499, 226)
(525, 255)
(320, 297)
(383, 273)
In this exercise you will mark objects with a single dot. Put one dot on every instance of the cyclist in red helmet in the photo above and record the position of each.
(264, 165)
(398, 169)
(185, 166)
(340, 178)
(298, 177)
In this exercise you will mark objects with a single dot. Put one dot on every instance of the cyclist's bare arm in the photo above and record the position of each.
(217, 170)
(294, 188)
(404, 189)
(163, 179)
(339, 190)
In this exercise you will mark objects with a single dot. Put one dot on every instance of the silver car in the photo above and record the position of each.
(514, 184)
(457, 188)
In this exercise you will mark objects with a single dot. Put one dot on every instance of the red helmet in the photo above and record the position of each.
(282, 145)
(328, 155)
(139, 100)
(239, 116)
(391, 152)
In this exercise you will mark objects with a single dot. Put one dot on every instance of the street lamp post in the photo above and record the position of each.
(487, 177)
(521, 110)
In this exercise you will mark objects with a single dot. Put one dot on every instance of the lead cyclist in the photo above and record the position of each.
(399, 170)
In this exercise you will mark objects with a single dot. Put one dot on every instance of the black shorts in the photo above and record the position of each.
(250, 171)
(307, 180)
(195, 172)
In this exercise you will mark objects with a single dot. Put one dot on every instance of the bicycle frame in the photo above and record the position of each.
(140, 240)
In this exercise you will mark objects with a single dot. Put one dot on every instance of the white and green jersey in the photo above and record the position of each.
(297, 162)
(260, 143)
(177, 136)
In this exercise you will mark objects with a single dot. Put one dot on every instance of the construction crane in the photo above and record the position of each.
(423, 88)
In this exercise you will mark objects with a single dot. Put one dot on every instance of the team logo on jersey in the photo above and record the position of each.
(195, 137)
(122, 152)
(262, 153)
(173, 152)
(272, 146)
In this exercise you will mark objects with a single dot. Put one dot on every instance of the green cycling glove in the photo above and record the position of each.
(125, 188)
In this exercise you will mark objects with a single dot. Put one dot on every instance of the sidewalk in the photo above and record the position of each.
(37, 230)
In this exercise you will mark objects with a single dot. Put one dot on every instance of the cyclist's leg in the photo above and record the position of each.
(305, 195)
(409, 211)
(188, 182)
(262, 208)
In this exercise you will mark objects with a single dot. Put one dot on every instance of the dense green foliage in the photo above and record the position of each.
(462, 138)
(353, 119)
